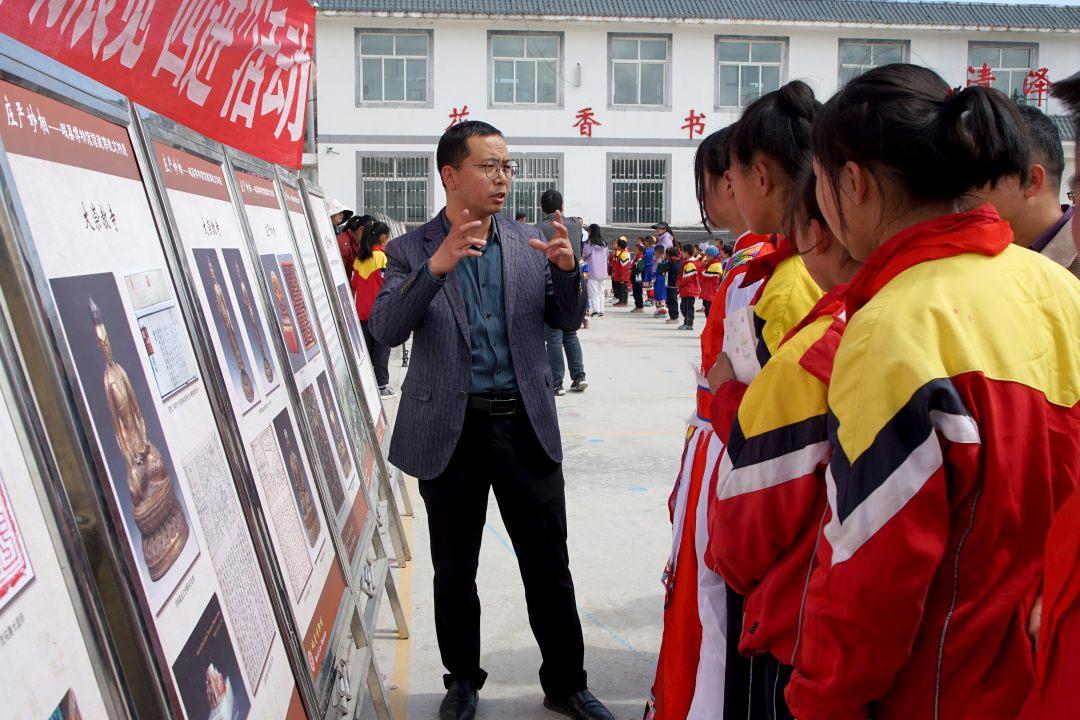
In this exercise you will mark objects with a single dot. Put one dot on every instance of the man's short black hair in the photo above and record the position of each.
(454, 143)
(551, 201)
(521, 217)
(1045, 143)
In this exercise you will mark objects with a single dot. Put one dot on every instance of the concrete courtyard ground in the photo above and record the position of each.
(622, 441)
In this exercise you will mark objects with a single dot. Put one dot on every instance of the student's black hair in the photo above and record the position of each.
(712, 158)
(369, 238)
(777, 125)
(912, 132)
(802, 205)
(1044, 140)
(551, 201)
(595, 236)
(672, 252)
(621, 242)
(454, 143)
(1068, 92)
(521, 217)
(688, 248)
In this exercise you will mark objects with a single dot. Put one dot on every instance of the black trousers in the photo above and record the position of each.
(688, 310)
(672, 303)
(502, 453)
(706, 305)
(639, 298)
(776, 677)
(744, 677)
(380, 356)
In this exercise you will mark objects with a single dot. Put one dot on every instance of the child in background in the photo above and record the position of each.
(620, 273)
(649, 276)
(674, 272)
(585, 282)
(710, 277)
(689, 286)
(660, 285)
(637, 276)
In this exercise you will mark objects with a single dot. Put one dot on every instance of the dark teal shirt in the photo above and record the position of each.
(481, 282)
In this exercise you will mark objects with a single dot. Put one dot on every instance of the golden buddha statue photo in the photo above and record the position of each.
(305, 502)
(268, 368)
(157, 512)
(287, 330)
(230, 332)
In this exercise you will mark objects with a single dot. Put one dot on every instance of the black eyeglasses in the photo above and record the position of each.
(492, 168)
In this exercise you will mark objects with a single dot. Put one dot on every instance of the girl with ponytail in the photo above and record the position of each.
(953, 415)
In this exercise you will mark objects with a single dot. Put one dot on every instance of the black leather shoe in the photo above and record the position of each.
(460, 702)
(582, 705)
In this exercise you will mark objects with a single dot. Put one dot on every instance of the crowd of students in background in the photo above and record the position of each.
(876, 514)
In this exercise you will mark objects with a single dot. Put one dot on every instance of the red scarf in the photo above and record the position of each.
(977, 231)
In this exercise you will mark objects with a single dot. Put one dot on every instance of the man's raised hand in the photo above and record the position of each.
(460, 242)
(557, 250)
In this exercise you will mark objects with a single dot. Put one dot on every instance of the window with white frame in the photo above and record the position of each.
(1009, 64)
(638, 189)
(747, 68)
(394, 66)
(858, 56)
(536, 173)
(638, 69)
(397, 185)
(524, 69)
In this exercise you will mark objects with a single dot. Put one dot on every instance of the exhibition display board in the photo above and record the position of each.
(214, 448)
(218, 267)
(159, 464)
(335, 275)
(312, 385)
(47, 624)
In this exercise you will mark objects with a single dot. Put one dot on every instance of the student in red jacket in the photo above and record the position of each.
(367, 279)
(711, 273)
(689, 285)
(770, 481)
(954, 412)
(621, 264)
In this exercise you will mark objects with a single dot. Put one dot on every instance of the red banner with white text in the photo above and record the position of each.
(235, 70)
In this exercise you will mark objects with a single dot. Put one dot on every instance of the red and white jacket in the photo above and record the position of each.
(690, 279)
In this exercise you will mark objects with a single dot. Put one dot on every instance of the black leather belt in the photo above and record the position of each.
(492, 405)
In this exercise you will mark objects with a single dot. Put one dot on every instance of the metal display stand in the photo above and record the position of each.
(389, 476)
(351, 344)
(363, 668)
(327, 691)
(68, 424)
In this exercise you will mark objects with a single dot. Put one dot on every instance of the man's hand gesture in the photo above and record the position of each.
(460, 242)
(558, 250)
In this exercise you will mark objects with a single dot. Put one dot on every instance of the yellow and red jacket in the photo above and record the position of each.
(710, 279)
(770, 482)
(955, 431)
(620, 266)
(690, 278)
(367, 280)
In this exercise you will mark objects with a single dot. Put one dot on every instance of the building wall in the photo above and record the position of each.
(459, 70)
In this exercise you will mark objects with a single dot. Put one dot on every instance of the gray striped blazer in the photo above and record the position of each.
(435, 392)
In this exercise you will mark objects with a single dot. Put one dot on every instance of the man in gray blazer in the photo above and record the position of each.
(477, 411)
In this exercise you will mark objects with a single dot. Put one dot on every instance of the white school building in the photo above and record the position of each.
(391, 75)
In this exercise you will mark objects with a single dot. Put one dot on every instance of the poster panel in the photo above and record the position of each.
(130, 360)
(271, 230)
(340, 275)
(226, 288)
(40, 633)
(335, 385)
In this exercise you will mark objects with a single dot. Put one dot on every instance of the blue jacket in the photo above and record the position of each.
(650, 264)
